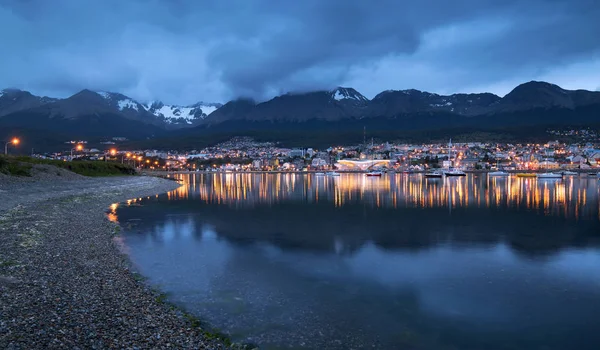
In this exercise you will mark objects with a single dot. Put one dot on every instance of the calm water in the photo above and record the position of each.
(400, 262)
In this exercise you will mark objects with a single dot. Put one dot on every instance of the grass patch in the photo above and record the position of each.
(15, 168)
(211, 334)
(138, 277)
(161, 298)
(84, 167)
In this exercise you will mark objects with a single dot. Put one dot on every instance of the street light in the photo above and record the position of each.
(78, 148)
(15, 141)
(112, 152)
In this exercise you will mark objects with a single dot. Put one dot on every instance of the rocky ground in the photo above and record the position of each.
(63, 281)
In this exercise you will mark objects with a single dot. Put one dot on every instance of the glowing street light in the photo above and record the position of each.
(77, 148)
(15, 141)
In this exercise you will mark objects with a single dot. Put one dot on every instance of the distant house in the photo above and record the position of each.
(296, 153)
(469, 162)
(318, 163)
(595, 156)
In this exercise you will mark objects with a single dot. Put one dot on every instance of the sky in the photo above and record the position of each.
(182, 52)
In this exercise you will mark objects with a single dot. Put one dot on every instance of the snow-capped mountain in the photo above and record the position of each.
(327, 105)
(342, 93)
(127, 106)
(181, 115)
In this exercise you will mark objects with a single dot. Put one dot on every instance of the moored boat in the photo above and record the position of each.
(434, 174)
(498, 173)
(333, 173)
(549, 176)
(569, 173)
(374, 173)
(526, 175)
(320, 174)
(455, 172)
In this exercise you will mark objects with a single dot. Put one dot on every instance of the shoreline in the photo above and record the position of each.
(65, 283)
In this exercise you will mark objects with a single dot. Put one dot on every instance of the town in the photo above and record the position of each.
(246, 154)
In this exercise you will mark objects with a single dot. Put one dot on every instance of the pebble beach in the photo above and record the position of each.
(64, 283)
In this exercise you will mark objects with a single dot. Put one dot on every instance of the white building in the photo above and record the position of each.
(318, 162)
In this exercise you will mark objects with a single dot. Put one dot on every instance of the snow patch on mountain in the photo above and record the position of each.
(341, 93)
(181, 114)
(207, 109)
(104, 94)
(127, 103)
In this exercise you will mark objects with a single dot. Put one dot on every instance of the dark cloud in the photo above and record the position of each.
(184, 51)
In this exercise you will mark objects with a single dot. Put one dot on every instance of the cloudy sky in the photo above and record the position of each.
(182, 51)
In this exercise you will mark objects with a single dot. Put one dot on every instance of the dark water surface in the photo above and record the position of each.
(401, 262)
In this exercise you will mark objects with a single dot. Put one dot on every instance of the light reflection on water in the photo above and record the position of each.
(396, 262)
(567, 197)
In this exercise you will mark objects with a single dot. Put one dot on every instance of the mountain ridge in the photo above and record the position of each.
(108, 114)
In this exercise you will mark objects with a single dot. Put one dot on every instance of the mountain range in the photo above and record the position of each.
(101, 114)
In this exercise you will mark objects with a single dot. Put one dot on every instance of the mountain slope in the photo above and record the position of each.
(14, 100)
(89, 103)
(536, 94)
(330, 105)
(84, 115)
(392, 103)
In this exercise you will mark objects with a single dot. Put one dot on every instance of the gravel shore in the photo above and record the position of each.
(63, 281)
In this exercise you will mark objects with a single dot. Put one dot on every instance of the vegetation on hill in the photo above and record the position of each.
(14, 168)
(21, 166)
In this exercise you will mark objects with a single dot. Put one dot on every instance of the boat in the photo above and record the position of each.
(434, 174)
(569, 173)
(498, 173)
(333, 173)
(455, 172)
(374, 173)
(526, 175)
(549, 176)
(320, 174)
